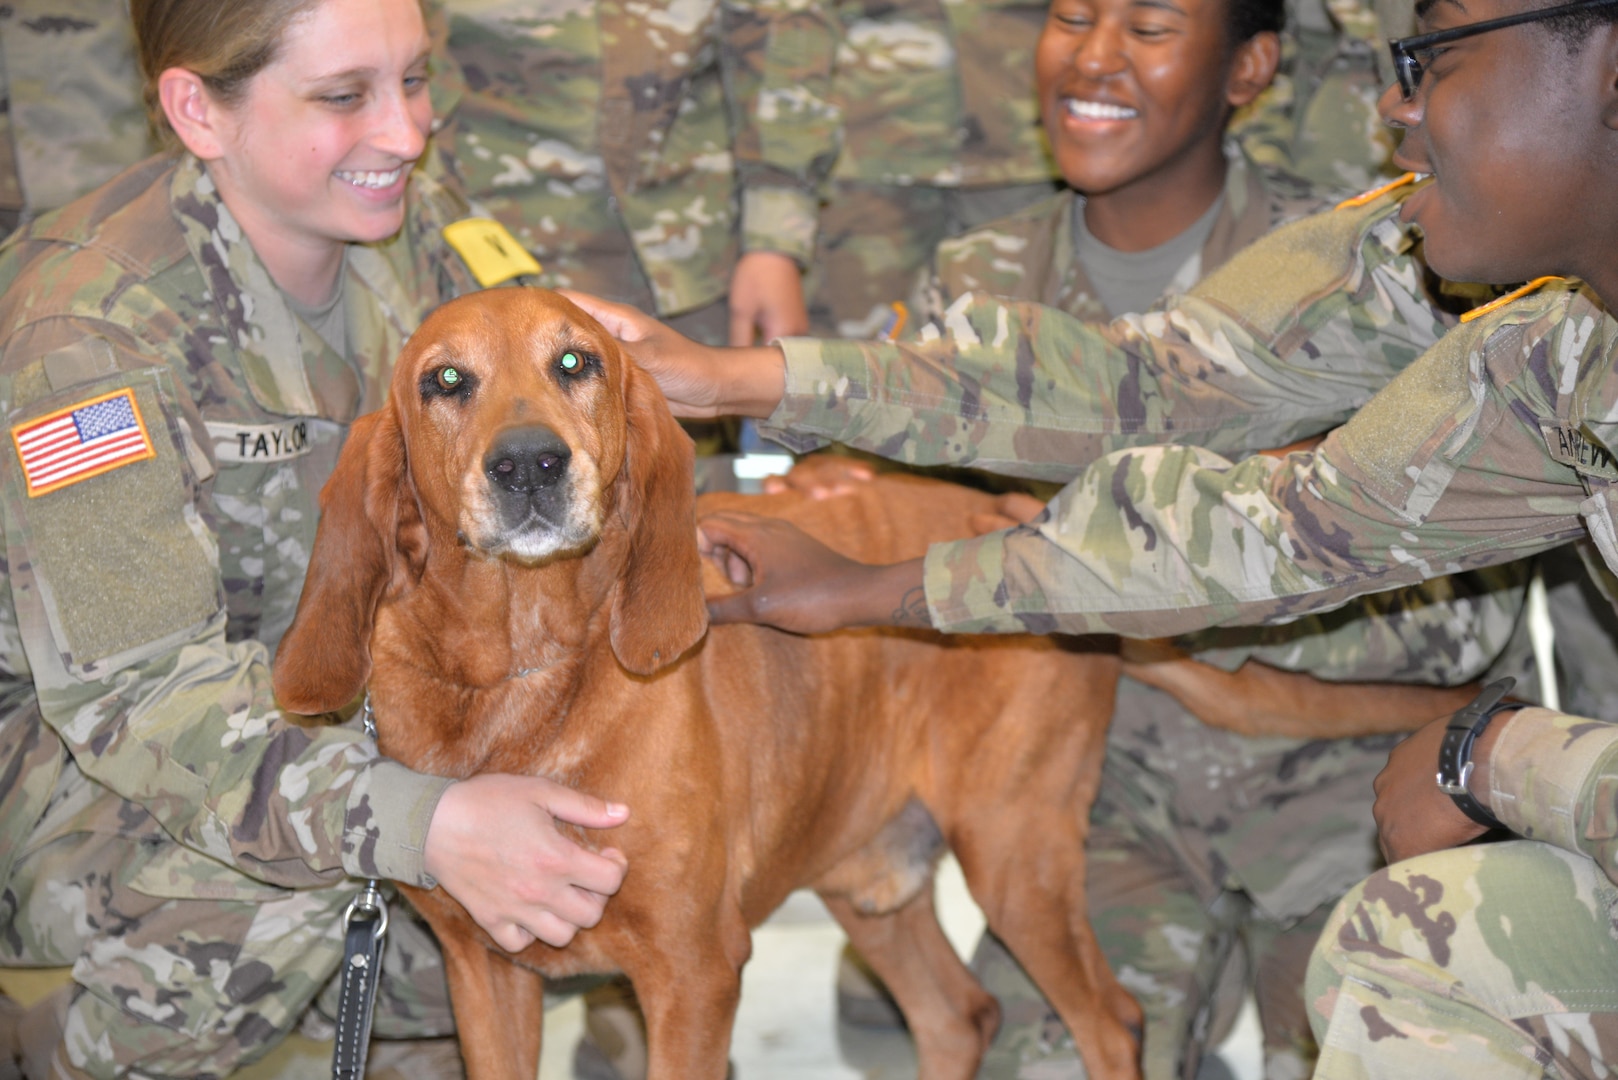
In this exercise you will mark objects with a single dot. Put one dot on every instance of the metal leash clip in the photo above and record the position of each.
(366, 923)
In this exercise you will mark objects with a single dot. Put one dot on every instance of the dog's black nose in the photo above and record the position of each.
(527, 459)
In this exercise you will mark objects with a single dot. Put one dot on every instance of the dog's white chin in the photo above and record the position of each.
(536, 539)
(543, 544)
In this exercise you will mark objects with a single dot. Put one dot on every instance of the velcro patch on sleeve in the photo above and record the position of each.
(123, 561)
(1279, 276)
(1396, 435)
(489, 250)
(83, 440)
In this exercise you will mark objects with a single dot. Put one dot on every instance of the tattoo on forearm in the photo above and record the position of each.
(912, 609)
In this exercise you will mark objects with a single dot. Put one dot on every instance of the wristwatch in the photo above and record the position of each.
(1455, 752)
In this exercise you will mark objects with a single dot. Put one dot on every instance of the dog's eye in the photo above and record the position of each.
(576, 364)
(446, 382)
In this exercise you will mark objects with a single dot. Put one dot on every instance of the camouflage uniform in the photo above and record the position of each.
(1487, 445)
(1340, 305)
(1493, 960)
(601, 134)
(940, 133)
(1028, 255)
(162, 827)
(71, 114)
(1213, 858)
(1318, 119)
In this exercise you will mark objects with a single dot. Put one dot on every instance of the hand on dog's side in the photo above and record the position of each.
(785, 578)
(791, 581)
(494, 846)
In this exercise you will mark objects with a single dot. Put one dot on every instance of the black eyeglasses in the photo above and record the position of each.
(1407, 59)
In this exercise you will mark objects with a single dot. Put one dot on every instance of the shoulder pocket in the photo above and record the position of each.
(104, 503)
(1396, 441)
(1280, 276)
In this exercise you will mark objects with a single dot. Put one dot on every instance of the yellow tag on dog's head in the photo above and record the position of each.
(489, 251)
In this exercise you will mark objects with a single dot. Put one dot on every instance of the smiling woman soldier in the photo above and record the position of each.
(182, 351)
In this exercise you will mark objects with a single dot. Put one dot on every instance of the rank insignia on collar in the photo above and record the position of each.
(81, 441)
(489, 251)
(1377, 192)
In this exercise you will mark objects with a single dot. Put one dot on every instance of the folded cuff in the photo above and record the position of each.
(389, 811)
(980, 586)
(782, 220)
(824, 384)
(1543, 772)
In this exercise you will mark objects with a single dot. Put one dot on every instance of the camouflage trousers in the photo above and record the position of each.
(876, 241)
(1189, 964)
(1212, 863)
(1490, 960)
(174, 985)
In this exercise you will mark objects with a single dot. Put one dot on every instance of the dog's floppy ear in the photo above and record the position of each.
(658, 612)
(370, 529)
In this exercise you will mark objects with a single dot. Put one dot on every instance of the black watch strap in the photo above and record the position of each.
(1455, 752)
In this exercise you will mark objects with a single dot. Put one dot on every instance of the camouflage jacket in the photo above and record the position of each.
(1554, 777)
(140, 604)
(1490, 442)
(939, 92)
(1444, 634)
(601, 132)
(1283, 342)
(1029, 255)
(1287, 820)
(1497, 443)
(1492, 446)
(71, 114)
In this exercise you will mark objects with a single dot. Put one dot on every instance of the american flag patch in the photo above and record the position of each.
(81, 441)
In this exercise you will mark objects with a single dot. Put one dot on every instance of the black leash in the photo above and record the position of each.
(367, 923)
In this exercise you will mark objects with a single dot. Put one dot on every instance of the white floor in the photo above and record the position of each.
(786, 1028)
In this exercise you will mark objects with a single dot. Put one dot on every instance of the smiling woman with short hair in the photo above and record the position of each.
(182, 353)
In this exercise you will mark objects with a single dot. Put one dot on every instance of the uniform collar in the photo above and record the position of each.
(288, 368)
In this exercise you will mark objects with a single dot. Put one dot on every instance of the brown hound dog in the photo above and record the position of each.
(507, 559)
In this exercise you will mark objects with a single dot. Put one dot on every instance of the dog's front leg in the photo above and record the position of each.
(689, 995)
(499, 1009)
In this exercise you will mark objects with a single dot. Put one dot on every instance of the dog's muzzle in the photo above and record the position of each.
(529, 474)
